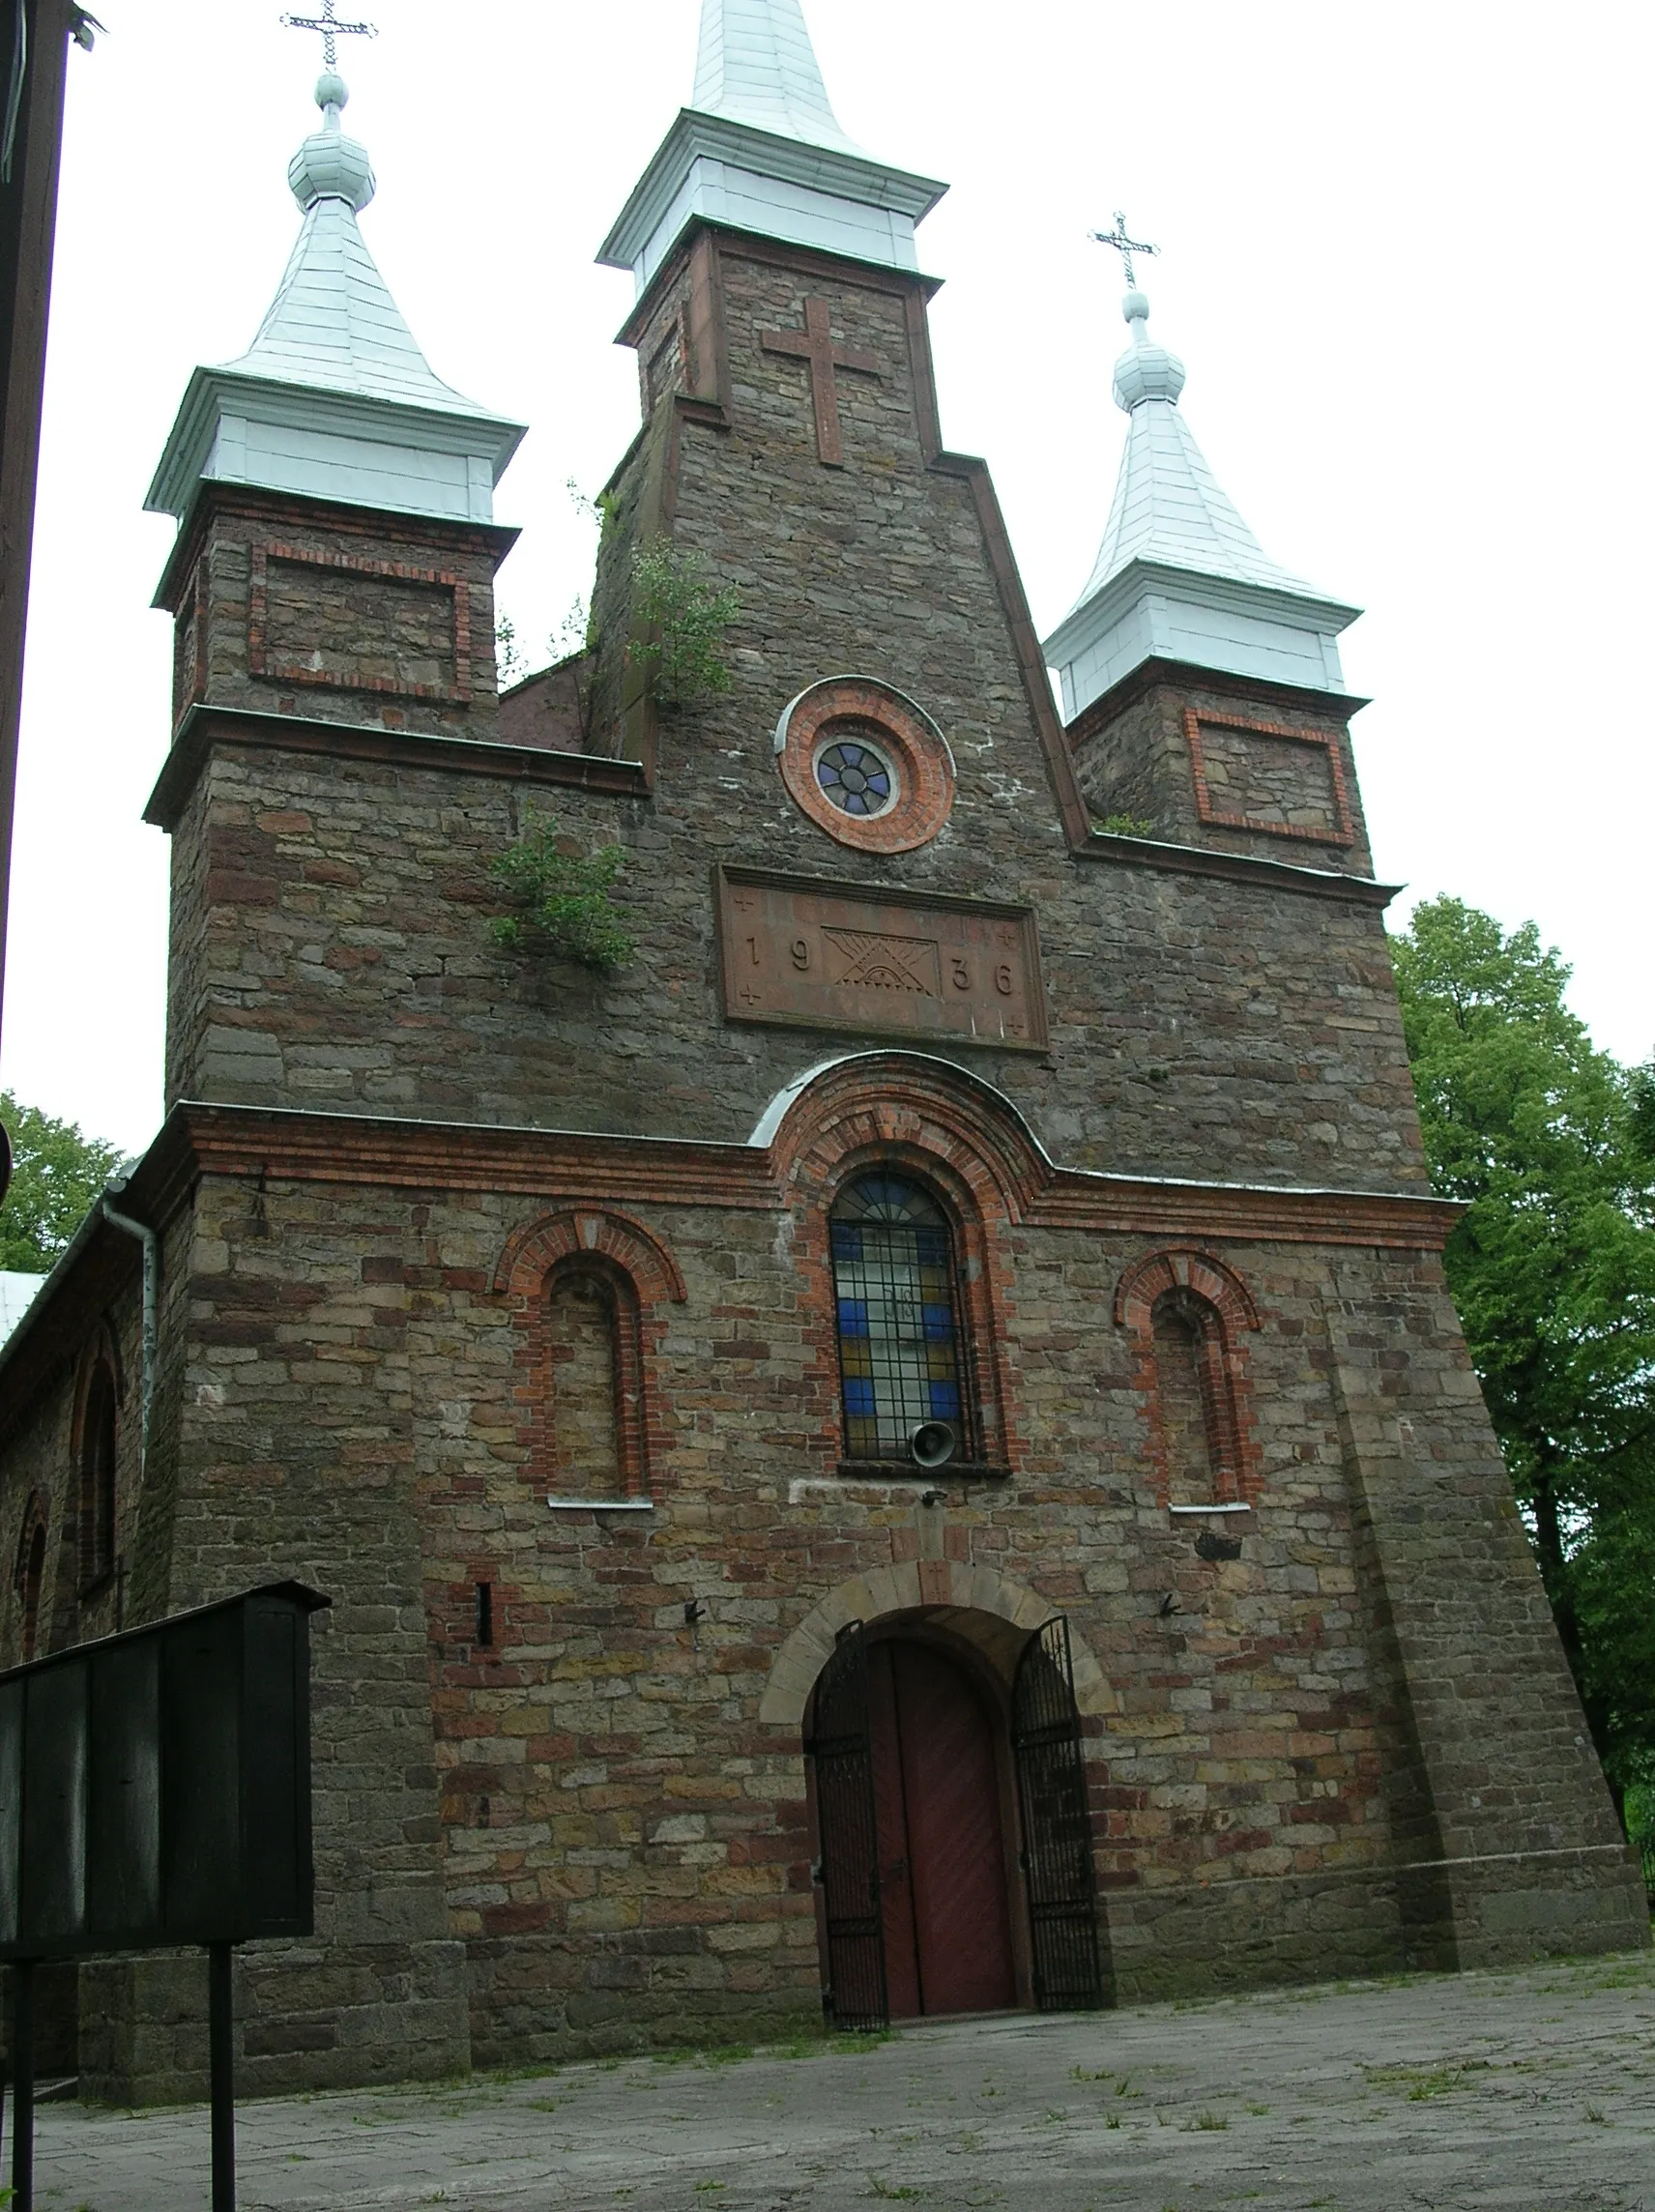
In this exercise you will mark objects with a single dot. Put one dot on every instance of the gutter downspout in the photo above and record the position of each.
(150, 1243)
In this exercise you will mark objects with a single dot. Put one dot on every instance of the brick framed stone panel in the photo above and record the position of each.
(401, 605)
(382, 611)
(189, 648)
(1139, 750)
(1258, 765)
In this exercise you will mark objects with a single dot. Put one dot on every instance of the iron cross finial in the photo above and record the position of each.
(331, 30)
(1125, 245)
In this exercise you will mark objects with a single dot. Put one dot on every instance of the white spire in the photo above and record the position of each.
(755, 64)
(1179, 575)
(335, 398)
(759, 149)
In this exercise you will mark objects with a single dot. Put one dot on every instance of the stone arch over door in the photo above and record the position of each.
(1006, 1613)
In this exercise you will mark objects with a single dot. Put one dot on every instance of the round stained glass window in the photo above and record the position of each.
(857, 778)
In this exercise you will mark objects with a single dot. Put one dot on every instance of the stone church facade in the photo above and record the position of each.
(571, 1330)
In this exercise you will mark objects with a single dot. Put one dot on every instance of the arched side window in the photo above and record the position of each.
(587, 1288)
(1190, 1314)
(592, 1379)
(1189, 1410)
(894, 1290)
(96, 1468)
(28, 1576)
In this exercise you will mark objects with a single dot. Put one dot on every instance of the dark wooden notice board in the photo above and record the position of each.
(817, 954)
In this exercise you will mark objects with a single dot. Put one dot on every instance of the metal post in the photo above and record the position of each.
(24, 2085)
(221, 2046)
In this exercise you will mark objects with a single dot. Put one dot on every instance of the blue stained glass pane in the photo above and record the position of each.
(898, 1355)
(855, 779)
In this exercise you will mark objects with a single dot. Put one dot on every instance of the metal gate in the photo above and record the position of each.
(1057, 1827)
(847, 1872)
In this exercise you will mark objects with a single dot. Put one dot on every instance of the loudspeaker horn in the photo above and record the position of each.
(933, 1444)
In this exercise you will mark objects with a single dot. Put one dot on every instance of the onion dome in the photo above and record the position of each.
(334, 399)
(1144, 370)
(1179, 577)
(329, 165)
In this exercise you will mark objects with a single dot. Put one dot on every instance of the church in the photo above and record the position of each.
(896, 1444)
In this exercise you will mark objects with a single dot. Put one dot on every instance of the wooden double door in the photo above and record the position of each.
(942, 1860)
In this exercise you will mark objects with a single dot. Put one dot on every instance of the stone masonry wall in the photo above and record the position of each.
(295, 1460)
(296, 606)
(1132, 749)
(1199, 1027)
(623, 1844)
(1352, 1747)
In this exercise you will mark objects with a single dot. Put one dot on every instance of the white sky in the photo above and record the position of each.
(1404, 258)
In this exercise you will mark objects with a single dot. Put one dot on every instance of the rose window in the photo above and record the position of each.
(856, 777)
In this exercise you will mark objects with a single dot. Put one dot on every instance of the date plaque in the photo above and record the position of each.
(816, 954)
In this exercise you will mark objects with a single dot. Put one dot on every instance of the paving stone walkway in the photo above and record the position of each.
(1519, 2092)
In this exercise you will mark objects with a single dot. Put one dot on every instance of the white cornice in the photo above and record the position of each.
(634, 241)
(216, 396)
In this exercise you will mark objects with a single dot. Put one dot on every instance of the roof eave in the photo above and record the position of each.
(496, 438)
(1304, 610)
(849, 176)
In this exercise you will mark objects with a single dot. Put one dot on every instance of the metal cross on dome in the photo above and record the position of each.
(331, 30)
(1125, 245)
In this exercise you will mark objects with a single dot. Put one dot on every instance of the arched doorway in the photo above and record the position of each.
(954, 1866)
(942, 1861)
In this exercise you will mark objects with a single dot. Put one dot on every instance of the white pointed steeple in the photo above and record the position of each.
(755, 64)
(760, 149)
(1179, 577)
(335, 398)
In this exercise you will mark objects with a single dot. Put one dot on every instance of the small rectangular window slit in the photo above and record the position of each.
(485, 1613)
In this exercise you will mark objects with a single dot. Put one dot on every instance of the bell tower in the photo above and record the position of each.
(332, 591)
(1202, 687)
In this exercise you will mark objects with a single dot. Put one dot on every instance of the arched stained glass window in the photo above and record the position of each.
(893, 1279)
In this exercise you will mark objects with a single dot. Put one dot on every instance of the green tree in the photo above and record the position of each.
(56, 1173)
(1551, 1146)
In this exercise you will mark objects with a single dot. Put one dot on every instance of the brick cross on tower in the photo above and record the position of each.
(815, 344)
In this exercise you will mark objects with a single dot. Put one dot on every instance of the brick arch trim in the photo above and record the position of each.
(531, 1253)
(100, 1350)
(1233, 1434)
(34, 1517)
(915, 1102)
(95, 1533)
(904, 1588)
(1178, 1268)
